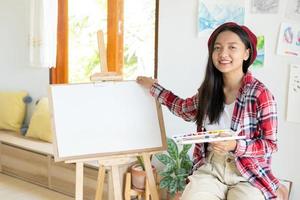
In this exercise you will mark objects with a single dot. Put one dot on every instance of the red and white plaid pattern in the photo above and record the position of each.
(256, 113)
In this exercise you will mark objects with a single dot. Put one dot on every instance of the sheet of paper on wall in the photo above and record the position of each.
(293, 10)
(264, 7)
(260, 58)
(289, 40)
(208, 136)
(212, 13)
(293, 107)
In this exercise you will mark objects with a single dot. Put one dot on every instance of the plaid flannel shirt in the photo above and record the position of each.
(256, 113)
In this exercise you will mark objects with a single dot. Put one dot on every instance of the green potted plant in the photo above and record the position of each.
(139, 174)
(178, 166)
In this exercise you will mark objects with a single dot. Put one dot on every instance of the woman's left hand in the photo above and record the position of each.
(146, 82)
(224, 147)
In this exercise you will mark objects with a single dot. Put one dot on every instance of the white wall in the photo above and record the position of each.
(15, 73)
(182, 59)
(182, 62)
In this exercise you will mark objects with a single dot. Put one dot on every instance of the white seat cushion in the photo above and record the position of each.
(18, 140)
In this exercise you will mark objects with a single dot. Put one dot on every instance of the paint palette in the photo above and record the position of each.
(208, 136)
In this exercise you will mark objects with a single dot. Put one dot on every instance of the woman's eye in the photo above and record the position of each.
(216, 48)
(232, 47)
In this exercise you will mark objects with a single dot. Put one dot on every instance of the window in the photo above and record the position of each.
(139, 38)
(85, 19)
(130, 32)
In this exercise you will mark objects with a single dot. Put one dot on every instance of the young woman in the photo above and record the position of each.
(229, 97)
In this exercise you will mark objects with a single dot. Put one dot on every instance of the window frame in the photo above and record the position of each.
(115, 38)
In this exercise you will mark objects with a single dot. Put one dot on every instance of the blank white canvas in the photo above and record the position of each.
(104, 118)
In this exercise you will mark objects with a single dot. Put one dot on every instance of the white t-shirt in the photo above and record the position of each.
(225, 119)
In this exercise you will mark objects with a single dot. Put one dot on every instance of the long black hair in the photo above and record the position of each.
(211, 96)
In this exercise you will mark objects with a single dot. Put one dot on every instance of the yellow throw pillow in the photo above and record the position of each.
(12, 110)
(40, 122)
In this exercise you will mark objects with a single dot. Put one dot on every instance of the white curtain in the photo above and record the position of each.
(43, 33)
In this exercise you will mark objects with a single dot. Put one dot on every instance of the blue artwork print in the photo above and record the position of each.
(213, 13)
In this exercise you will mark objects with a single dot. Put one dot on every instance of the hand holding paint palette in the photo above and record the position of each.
(208, 136)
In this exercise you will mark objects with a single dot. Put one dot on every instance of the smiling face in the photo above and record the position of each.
(229, 52)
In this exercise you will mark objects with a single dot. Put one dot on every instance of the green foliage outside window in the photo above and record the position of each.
(87, 17)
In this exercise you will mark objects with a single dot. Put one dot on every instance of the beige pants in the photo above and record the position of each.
(219, 179)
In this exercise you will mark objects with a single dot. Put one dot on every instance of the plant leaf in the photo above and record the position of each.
(169, 167)
(165, 182)
(165, 159)
(164, 174)
(168, 170)
(173, 186)
(141, 162)
(181, 172)
(181, 183)
(172, 149)
(186, 163)
(185, 149)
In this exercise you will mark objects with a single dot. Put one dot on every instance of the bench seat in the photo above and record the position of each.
(32, 160)
(26, 143)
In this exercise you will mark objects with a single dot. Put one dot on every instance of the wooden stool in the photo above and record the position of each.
(129, 192)
(282, 193)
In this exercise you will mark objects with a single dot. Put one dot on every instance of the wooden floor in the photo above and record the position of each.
(16, 189)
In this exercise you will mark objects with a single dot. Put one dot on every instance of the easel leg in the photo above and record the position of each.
(0, 157)
(128, 186)
(152, 184)
(79, 181)
(116, 182)
(110, 185)
(147, 193)
(100, 183)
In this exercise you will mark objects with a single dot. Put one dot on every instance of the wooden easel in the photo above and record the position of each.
(104, 75)
(113, 162)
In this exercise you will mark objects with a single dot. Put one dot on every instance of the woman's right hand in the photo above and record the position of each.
(146, 82)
